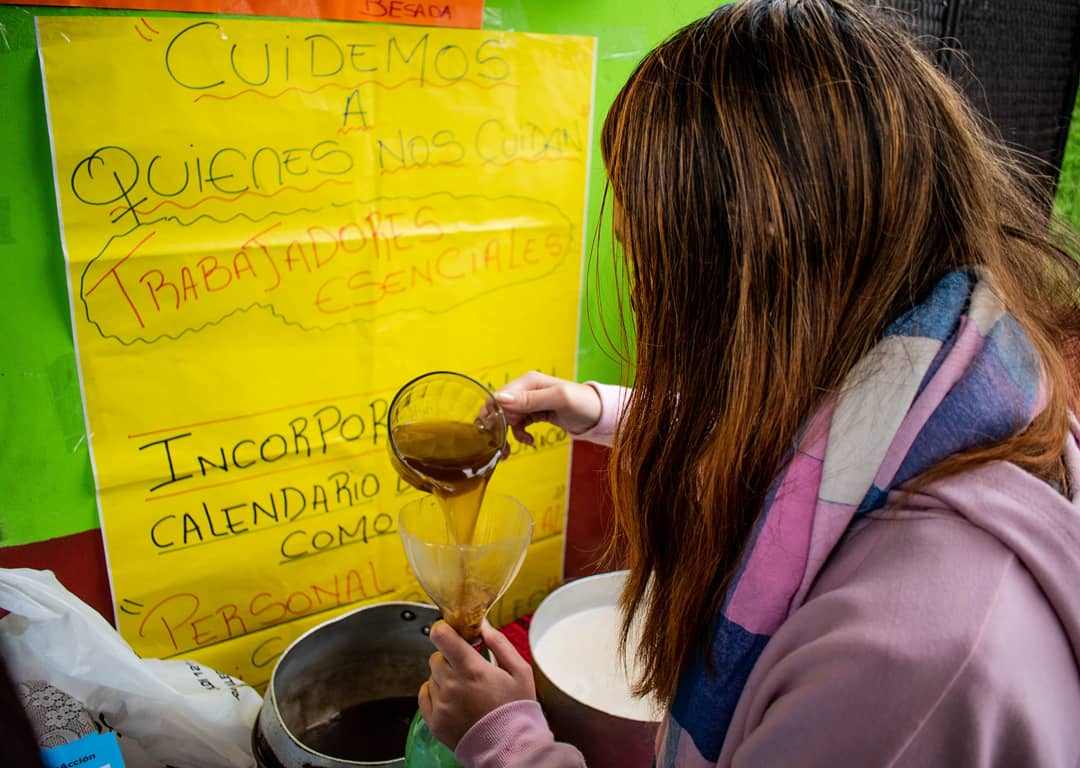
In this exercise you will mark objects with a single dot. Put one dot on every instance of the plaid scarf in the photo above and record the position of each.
(953, 373)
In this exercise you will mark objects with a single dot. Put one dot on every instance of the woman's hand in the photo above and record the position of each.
(537, 397)
(464, 686)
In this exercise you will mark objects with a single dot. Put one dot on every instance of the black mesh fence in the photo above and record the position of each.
(1017, 60)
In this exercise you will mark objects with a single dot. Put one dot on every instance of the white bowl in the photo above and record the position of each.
(587, 704)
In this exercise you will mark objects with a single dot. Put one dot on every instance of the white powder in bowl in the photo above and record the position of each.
(580, 654)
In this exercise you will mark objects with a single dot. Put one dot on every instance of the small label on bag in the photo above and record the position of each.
(98, 750)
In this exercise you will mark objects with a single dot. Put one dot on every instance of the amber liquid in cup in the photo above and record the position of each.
(452, 460)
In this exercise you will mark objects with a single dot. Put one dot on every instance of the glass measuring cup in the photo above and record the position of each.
(446, 433)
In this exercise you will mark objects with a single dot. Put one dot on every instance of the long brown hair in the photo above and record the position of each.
(788, 176)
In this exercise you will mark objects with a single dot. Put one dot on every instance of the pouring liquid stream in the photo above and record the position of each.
(453, 461)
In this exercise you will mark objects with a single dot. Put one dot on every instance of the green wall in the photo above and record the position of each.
(46, 487)
(1068, 191)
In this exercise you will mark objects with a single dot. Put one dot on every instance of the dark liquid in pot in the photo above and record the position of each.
(368, 732)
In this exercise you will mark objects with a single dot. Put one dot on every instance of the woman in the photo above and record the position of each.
(845, 478)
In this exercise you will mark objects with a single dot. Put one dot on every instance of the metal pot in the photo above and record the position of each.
(606, 740)
(344, 692)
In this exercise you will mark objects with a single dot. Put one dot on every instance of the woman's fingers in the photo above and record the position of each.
(538, 397)
(521, 435)
(455, 652)
(440, 668)
(549, 398)
(423, 699)
(519, 423)
(506, 655)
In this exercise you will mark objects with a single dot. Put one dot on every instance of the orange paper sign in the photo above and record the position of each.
(435, 13)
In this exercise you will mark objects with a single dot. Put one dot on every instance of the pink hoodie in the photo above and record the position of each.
(944, 630)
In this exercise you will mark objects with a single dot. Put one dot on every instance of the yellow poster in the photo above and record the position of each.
(269, 227)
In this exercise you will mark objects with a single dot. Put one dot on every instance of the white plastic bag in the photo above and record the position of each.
(172, 718)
